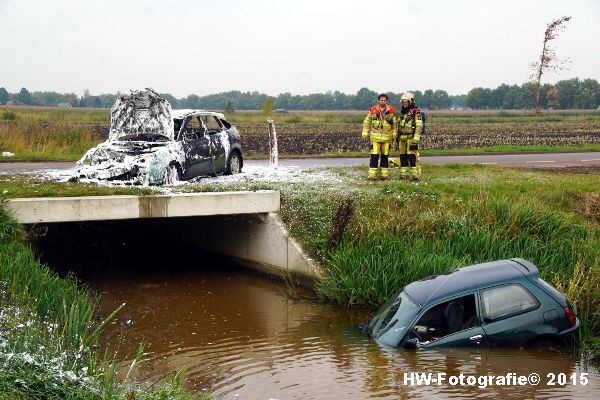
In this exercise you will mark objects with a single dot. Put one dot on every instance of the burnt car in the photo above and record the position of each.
(496, 304)
(151, 144)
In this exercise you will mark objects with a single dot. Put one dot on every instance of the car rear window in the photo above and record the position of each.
(504, 301)
(226, 124)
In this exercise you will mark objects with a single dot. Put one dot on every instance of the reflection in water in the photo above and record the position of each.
(236, 334)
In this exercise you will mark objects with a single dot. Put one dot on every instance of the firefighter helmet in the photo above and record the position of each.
(408, 96)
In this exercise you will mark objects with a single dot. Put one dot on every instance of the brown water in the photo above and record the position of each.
(236, 334)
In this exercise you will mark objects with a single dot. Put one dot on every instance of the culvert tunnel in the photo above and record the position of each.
(165, 232)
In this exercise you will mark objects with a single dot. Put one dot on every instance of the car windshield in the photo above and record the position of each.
(398, 311)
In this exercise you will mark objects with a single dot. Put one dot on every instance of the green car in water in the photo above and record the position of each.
(496, 304)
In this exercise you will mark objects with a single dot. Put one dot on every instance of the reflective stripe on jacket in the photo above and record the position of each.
(381, 125)
(410, 125)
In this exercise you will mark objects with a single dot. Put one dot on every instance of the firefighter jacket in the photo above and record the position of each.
(410, 125)
(381, 125)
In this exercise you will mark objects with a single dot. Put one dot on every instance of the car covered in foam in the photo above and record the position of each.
(151, 144)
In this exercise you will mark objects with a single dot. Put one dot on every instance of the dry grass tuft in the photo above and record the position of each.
(588, 205)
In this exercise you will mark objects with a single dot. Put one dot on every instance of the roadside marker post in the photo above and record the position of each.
(273, 152)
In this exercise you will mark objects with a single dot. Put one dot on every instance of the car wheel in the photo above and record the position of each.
(234, 165)
(172, 174)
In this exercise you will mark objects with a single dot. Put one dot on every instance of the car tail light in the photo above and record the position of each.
(570, 316)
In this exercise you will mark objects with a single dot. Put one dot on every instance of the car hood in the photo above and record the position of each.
(141, 112)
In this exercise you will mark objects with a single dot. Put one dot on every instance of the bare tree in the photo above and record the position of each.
(548, 60)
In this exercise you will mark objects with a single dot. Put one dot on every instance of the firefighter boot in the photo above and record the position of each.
(385, 173)
(372, 174)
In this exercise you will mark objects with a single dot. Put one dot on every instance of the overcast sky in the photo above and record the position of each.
(203, 47)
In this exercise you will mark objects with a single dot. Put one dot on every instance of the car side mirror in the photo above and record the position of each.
(411, 344)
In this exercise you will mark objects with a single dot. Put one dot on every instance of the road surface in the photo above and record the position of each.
(544, 160)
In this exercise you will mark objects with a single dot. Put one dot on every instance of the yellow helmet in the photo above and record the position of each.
(408, 96)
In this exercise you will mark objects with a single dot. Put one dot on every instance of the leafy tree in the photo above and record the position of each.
(192, 101)
(171, 99)
(440, 99)
(229, 107)
(365, 98)
(458, 100)
(24, 97)
(4, 96)
(267, 106)
(552, 99)
(473, 98)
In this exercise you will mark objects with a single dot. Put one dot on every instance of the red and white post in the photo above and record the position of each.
(274, 153)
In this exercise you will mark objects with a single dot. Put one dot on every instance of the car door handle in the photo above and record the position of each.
(475, 338)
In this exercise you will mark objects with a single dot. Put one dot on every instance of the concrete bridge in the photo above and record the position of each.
(241, 225)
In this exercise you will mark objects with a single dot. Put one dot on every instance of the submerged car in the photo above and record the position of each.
(149, 143)
(496, 304)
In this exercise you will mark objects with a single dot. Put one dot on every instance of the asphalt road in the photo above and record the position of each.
(545, 160)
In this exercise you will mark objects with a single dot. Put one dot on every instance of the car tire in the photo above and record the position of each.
(172, 174)
(234, 164)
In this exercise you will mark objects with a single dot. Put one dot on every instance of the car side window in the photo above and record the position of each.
(507, 300)
(193, 129)
(446, 318)
(212, 124)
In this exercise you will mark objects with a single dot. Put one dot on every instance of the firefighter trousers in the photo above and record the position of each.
(410, 163)
(379, 163)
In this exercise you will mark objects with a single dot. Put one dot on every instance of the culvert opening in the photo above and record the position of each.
(95, 250)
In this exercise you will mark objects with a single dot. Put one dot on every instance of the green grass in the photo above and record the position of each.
(458, 215)
(49, 332)
(12, 186)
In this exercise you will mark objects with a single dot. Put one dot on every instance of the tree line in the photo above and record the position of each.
(565, 94)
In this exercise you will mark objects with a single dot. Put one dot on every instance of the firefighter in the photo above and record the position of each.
(380, 127)
(410, 127)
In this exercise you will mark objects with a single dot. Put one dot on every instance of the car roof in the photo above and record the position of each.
(465, 279)
(181, 114)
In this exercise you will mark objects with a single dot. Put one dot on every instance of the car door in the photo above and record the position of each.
(217, 137)
(196, 148)
(468, 333)
(509, 316)
(470, 338)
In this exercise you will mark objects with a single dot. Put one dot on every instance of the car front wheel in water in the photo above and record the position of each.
(234, 164)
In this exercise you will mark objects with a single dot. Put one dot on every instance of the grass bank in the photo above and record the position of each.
(49, 334)
(459, 215)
